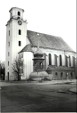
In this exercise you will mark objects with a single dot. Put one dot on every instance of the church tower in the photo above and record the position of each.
(16, 33)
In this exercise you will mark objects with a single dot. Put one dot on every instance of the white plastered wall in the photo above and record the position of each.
(27, 64)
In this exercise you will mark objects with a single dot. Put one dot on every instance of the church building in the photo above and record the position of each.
(37, 52)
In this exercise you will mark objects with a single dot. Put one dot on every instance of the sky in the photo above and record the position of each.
(54, 17)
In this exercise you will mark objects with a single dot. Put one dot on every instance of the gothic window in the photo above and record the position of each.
(66, 60)
(73, 61)
(19, 43)
(18, 13)
(60, 60)
(69, 61)
(55, 59)
(19, 32)
(49, 59)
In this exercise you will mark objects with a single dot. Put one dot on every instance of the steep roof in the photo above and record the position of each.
(27, 48)
(45, 41)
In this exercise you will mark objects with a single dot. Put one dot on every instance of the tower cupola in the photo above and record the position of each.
(16, 13)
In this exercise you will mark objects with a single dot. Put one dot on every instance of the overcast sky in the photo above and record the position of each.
(55, 17)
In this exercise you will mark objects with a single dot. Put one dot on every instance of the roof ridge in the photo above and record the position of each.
(44, 33)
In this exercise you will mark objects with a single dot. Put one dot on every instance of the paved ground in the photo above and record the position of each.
(38, 97)
(8, 83)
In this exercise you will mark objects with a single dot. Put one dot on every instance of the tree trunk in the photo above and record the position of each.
(19, 77)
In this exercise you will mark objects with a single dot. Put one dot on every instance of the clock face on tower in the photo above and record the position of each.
(19, 22)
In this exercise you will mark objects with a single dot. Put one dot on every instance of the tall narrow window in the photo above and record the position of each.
(69, 61)
(60, 60)
(8, 43)
(19, 32)
(18, 13)
(73, 61)
(66, 61)
(9, 32)
(8, 63)
(8, 54)
(49, 59)
(55, 59)
(19, 43)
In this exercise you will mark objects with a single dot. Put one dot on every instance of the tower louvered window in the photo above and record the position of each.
(18, 13)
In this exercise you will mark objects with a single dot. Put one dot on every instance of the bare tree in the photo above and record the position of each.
(2, 70)
(18, 68)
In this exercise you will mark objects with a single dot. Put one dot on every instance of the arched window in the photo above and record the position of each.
(9, 32)
(69, 61)
(8, 43)
(60, 60)
(8, 54)
(8, 63)
(66, 60)
(19, 32)
(18, 13)
(55, 59)
(19, 43)
(49, 59)
(73, 61)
